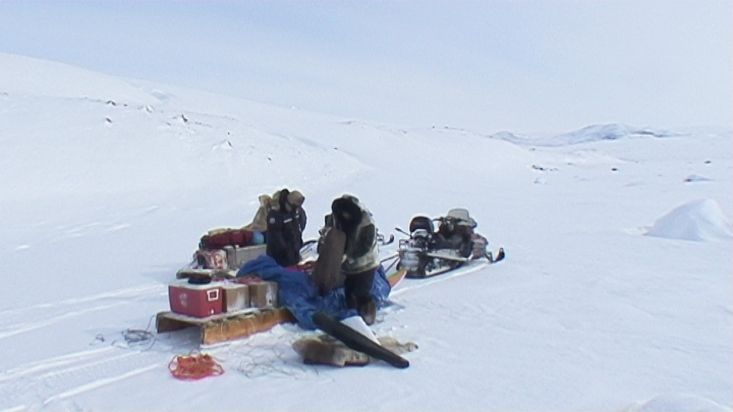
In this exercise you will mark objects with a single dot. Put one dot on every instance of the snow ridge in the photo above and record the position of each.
(588, 134)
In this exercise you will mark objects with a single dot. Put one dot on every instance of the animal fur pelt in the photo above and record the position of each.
(326, 350)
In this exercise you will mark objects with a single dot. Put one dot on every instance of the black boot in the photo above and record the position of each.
(357, 288)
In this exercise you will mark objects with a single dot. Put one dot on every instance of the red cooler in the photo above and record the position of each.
(196, 300)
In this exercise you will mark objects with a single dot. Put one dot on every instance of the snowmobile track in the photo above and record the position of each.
(44, 382)
(410, 284)
(18, 321)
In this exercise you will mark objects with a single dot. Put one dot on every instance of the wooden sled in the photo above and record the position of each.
(229, 326)
(396, 277)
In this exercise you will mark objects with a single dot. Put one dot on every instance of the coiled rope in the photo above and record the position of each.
(194, 367)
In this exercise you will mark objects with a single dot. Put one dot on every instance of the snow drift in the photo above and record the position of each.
(35, 77)
(698, 220)
(588, 134)
(678, 403)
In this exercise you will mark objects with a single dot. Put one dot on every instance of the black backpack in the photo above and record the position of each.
(284, 233)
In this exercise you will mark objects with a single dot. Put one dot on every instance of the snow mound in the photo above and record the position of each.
(678, 403)
(697, 220)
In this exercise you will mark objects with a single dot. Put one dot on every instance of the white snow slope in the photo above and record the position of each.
(107, 185)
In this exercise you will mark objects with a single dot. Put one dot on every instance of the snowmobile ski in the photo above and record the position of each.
(499, 256)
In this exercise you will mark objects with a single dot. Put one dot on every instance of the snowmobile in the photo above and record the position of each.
(428, 252)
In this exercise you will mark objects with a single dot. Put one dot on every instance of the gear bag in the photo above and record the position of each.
(220, 238)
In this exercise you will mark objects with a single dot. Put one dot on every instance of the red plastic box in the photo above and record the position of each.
(198, 301)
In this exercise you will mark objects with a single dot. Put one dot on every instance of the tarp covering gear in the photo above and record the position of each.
(300, 295)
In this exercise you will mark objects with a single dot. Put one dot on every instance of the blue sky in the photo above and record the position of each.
(488, 65)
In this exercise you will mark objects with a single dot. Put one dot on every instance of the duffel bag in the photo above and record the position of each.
(218, 239)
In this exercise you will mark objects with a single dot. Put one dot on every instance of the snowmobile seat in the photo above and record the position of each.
(422, 222)
(461, 217)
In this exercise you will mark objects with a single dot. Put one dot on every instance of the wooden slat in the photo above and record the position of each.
(243, 326)
(224, 328)
(395, 278)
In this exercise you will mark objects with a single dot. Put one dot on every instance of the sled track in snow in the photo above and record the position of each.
(411, 284)
(50, 381)
(37, 384)
(17, 321)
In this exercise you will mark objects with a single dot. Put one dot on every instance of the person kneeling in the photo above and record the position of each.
(348, 247)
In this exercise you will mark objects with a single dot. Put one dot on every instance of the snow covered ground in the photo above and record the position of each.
(615, 294)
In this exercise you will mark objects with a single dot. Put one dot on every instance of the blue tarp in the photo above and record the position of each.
(298, 293)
